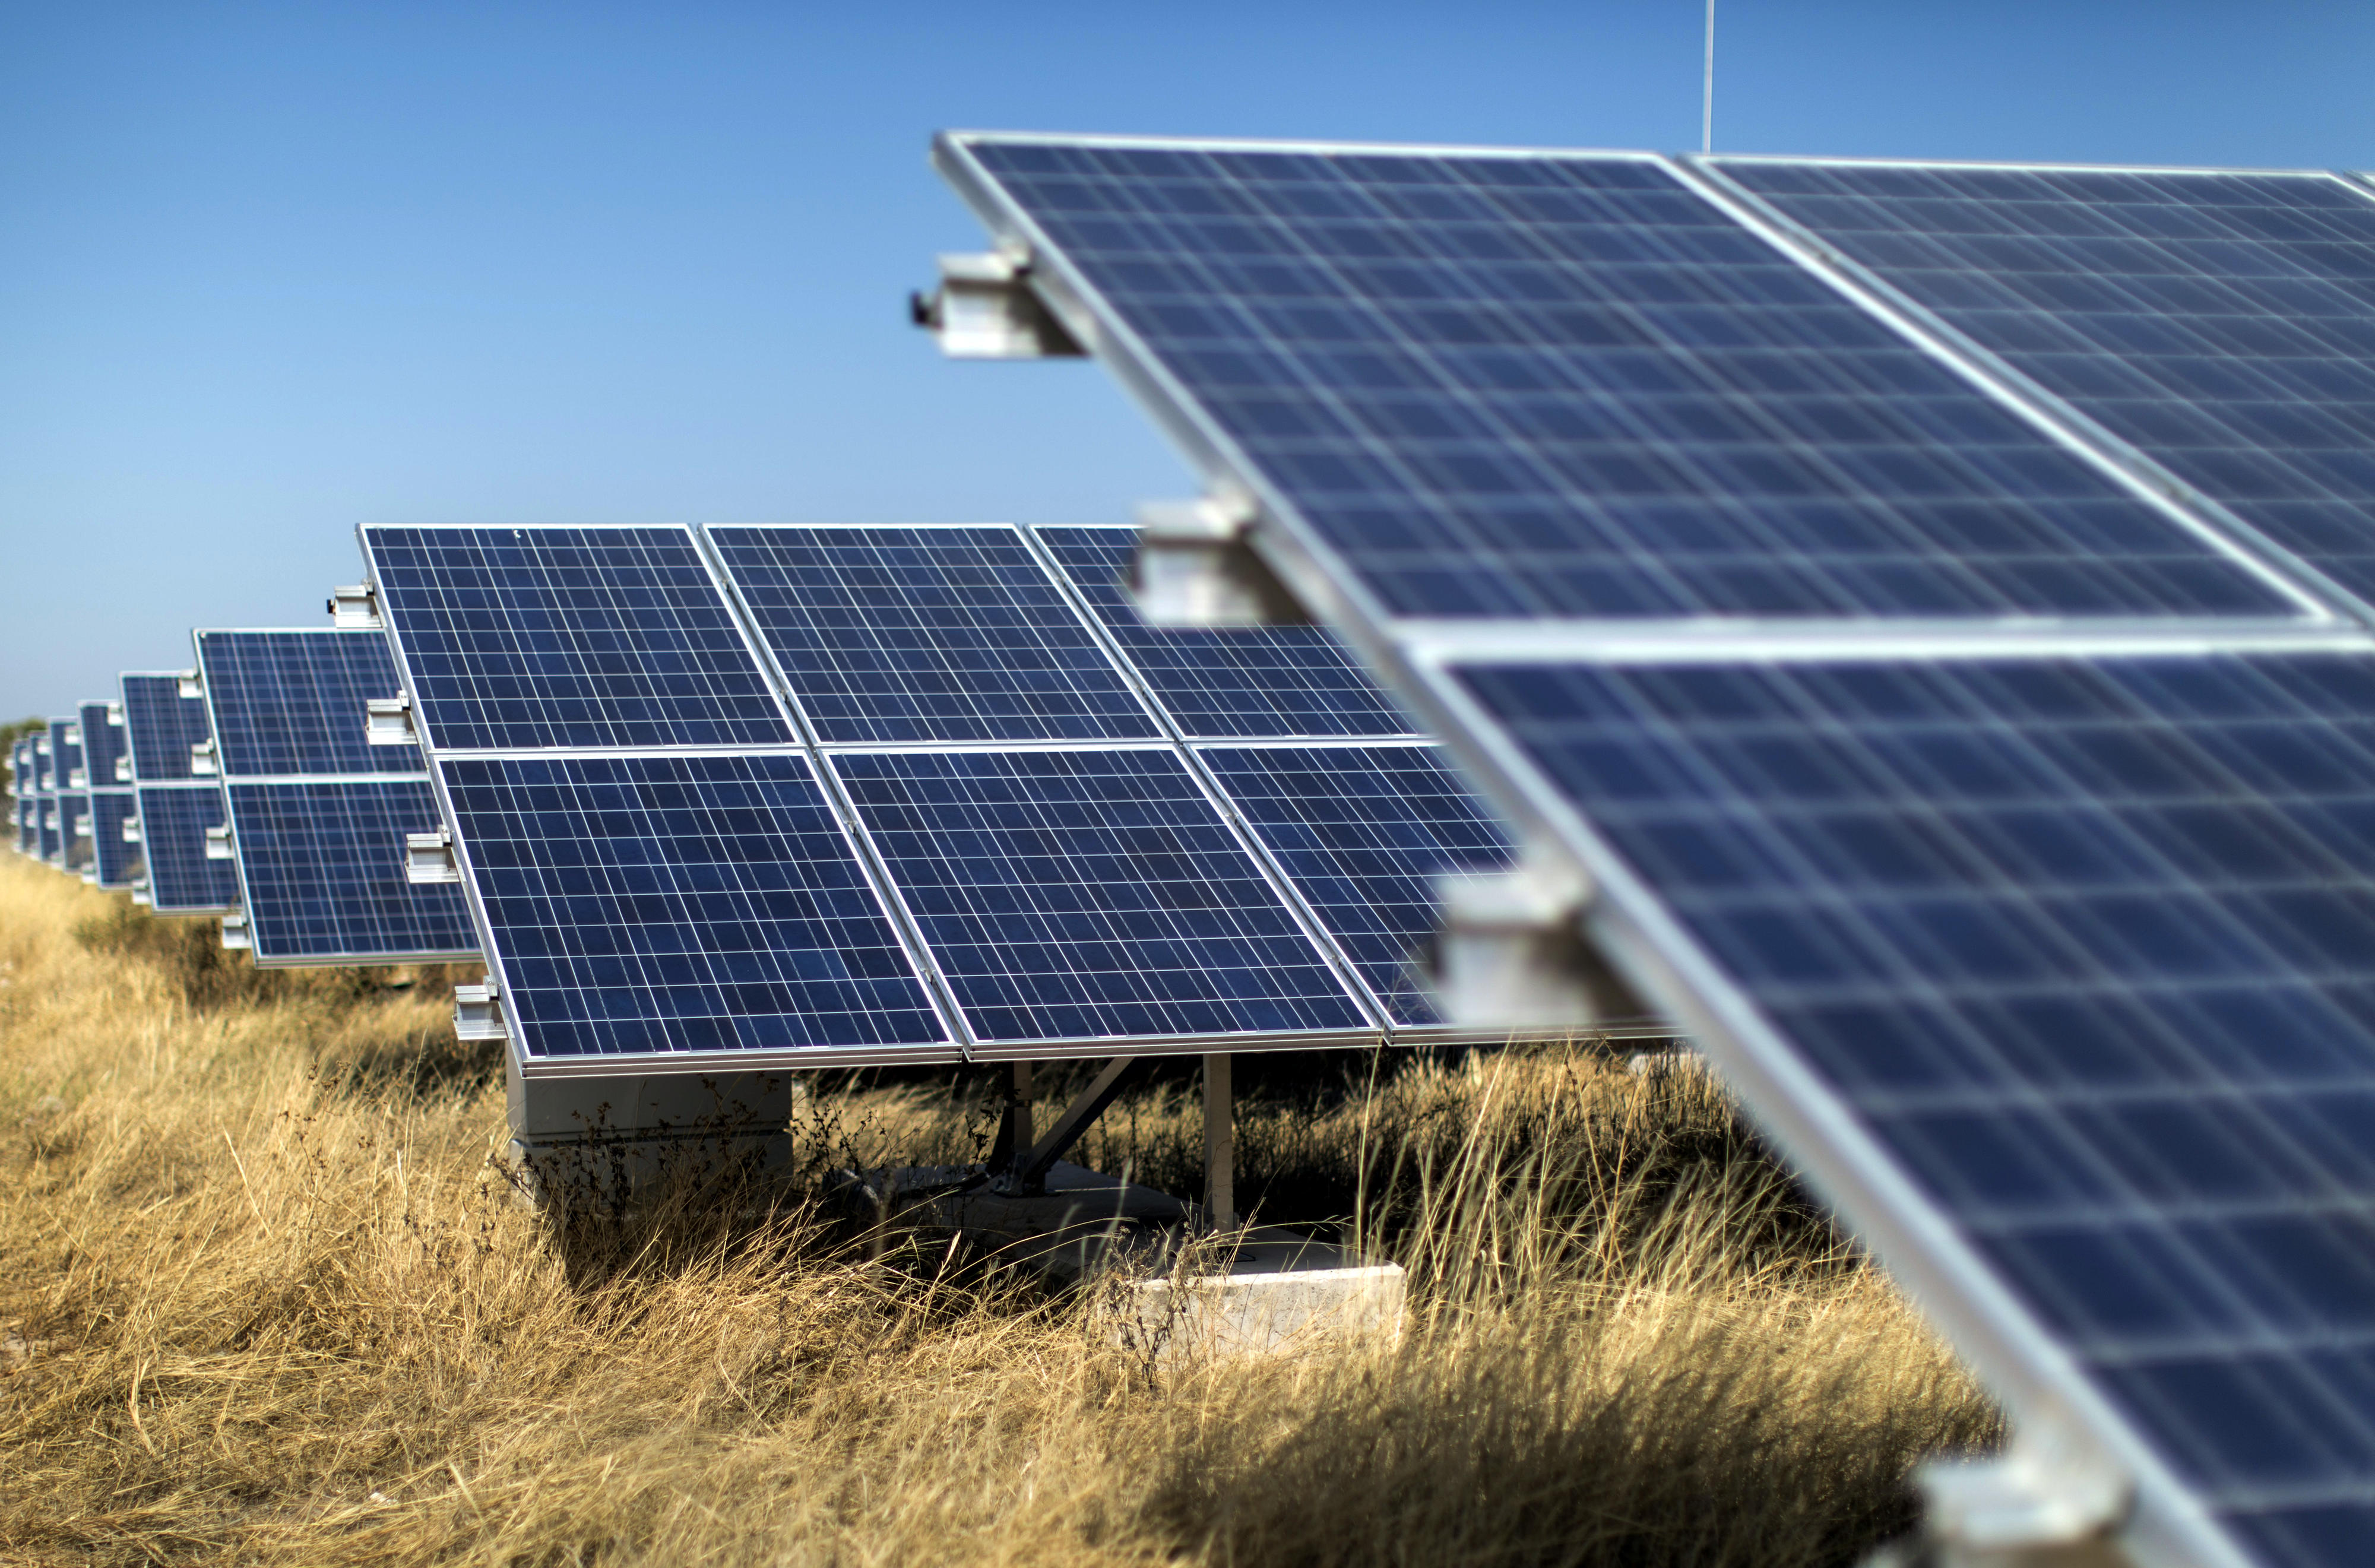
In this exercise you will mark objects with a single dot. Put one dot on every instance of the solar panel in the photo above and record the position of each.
(1568, 385)
(317, 815)
(2046, 950)
(672, 903)
(568, 637)
(1083, 895)
(927, 634)
(74, 830)
(1364, 831)
(289, 703)
(1225, 683)
(161, 725)
(182, 878)
(61, 845)
(101, 729)
(115, 862)
(2219, 321)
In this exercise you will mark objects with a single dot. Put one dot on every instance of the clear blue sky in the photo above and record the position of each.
(266, 274)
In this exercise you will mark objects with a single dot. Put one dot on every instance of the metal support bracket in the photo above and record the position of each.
(1027, 1171)
(188, 687)
(132, 830)
(355, 607)
(1220, 1144)
(202, 758)
(429, 857)
(123, 770)
(387, 721)
(984, 309)
(2040, 1504)
(1195, 567)
(234, 933)
(478, 1012)
(1511, 953)
(218, 844)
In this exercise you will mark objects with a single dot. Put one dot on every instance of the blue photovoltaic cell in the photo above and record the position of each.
(1071, 894)
(160, 726)
(2223, 324)
(679, 903)
(174, 824)
(322, 868)
(1225, 683)
(29, 830)
(66, 758)
(902, 634)
(42, 780)
(568, 637)
(1364, 831)
(2091, 949)
(46, 828)
(293, 702)
(1542, 385)
(102, 744)
(74, 830)
(117, 862)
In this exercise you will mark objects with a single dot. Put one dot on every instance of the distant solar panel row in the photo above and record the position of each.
(2047, 951)
(1037, 864)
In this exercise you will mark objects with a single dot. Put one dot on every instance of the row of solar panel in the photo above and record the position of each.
(869, 791)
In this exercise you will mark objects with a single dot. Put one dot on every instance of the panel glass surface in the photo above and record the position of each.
(160, 726)
(905, 635)
(74, 830)
(679, 903)
(1250, 682)
(41, 775)
(1078, 894)
(1568, 386)
(115, 862)
(2223, 324)
(568, 637)
(46, 828)
(174, 824)
(1364, 831)
(102, 743)
(65, 757)
(2091, 949)
(290, 702)
(322, 868)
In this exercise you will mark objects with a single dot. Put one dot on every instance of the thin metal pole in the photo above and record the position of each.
(1020, 1108)
(1707, 100)
(1220, 1144)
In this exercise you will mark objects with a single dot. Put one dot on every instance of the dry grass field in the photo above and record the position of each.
(265, 1299)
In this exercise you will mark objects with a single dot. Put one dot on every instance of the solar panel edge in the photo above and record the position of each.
(2038, 1380)
(264, 935)
(2315, 588)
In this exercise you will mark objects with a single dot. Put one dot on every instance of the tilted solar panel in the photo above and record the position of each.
(568, 637)
(1082, 895)
(2047, 951)
(43, 780)
(115, 861)
(316, 813)
(1364, 831)
(1569, 385)
(101, 729)
(924, 634)
(2223, 323)
(62, 845)
(74, 830)
(673, 904)
(289, 704)
(161, 725)
(1226, 683)
(182, 878)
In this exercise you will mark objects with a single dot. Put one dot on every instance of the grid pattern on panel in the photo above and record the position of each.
(29, 831)
(679, 903)
(1222, 683)
(293, 702)
(2091, 949)
(907, 635)
(2223, 324)
(323, 867)
(1071, 894)
(115, 862)
(74, 830)
(42, 781)
(46, 828)
(65, 757)
(161, 725)
(102, 743)
(1569, 387)
(182, 880)
(1364, 831)
(568, 637)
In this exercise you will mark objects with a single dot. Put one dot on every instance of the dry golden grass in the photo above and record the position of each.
(265, 1301)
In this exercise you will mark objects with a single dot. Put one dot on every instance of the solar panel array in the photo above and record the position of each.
(1929, 607)
(972, 821)
(316, 814)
